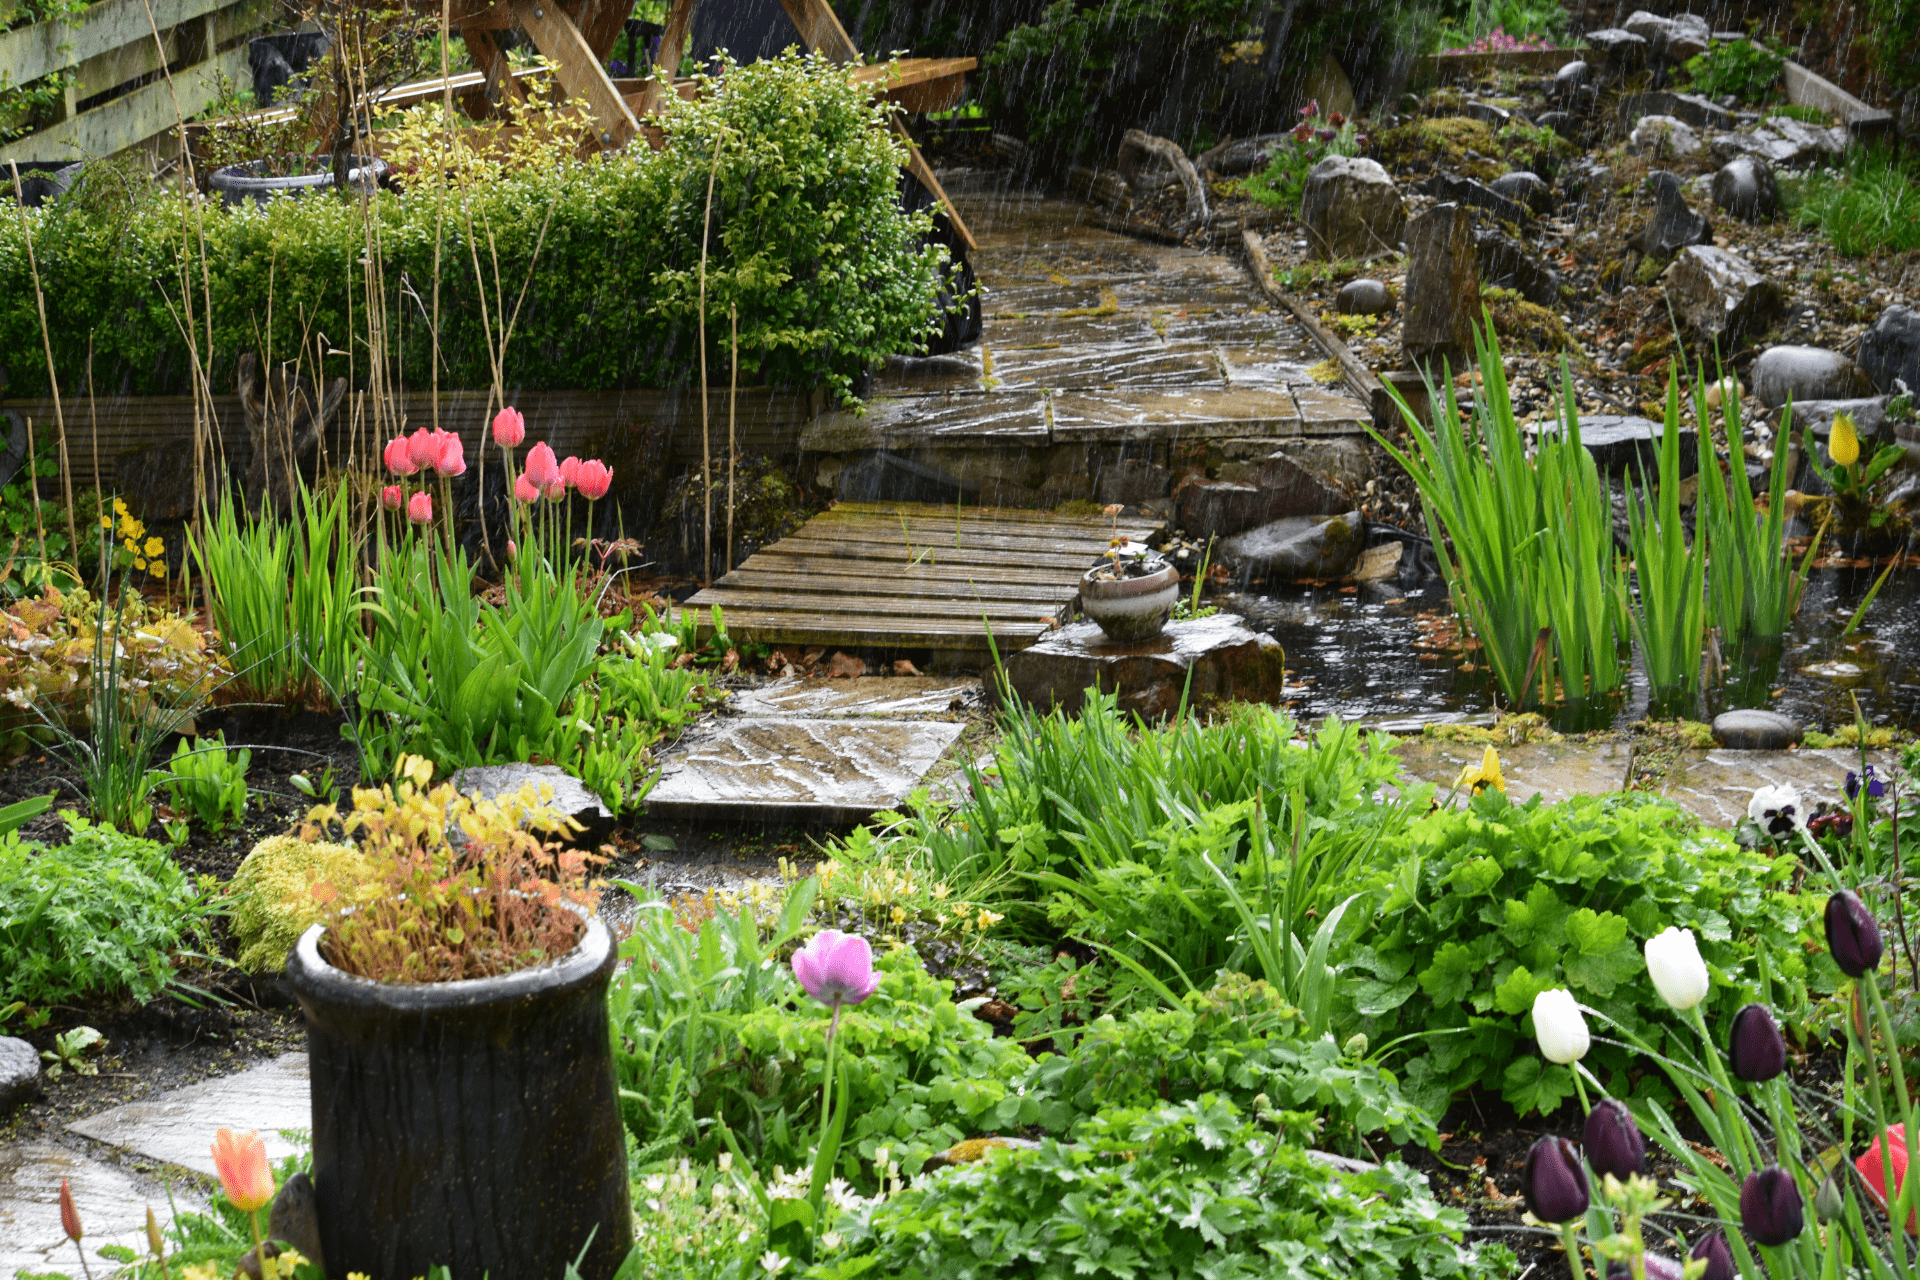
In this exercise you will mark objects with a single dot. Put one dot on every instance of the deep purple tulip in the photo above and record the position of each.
(1658, 1268)
(1719, 1255)
(1758, 1050)
(1853, 936)
(1613, 1140)
(1770, 1206)
(1554, 1181)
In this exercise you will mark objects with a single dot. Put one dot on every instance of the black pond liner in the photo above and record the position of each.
(472, 1125)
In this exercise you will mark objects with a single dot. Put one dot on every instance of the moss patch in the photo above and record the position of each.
(1423, 145)
(1524, 324)
(1509, 730)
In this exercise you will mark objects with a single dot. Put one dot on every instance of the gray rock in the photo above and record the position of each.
(1869, 414)
(1619, 50)
(1445, 186)
(1674, 39)
(1296, 548)
(19, 1073)
(1223, 508)
(1673, 225)
(1525, 188)
(1571, 76)
(1745, 188)
(1756, 731)
(1363, 298)
(1890, 349)
(1131, 482)
(1505, 263)
(1662, 136)
(1351, 208)
(1805, 373)
(1587, 182)
(1622, 444)
(1443, 289)
(1208, 659)
(1558, 121)
(1783, 142)
(1689, 108)
(1488, 114)
(570, 795)
(1718, 296)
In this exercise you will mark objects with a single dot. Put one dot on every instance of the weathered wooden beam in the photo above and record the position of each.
(820, 29)
(666, 64)
(28, 53)
(138, 117)
(578, 69)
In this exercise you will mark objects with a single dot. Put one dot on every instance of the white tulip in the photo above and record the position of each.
(1678, 972)
(1560, 1027)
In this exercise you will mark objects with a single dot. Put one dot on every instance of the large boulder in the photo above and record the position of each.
(1208, 659)
(1890, 349)
(1619, 51)
(1443, 289)
(1673, 225)
(1365, 297)
(1675, 39)
(1351, 208)
(1625, 444)
(1297, 548)
(1524, 187)
(1718, 296)
(559, 789)
(1805, 373)
(1745, 188)
(1756, 731)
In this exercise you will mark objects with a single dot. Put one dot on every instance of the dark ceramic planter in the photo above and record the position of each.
(1130, 610)
(472, 1125)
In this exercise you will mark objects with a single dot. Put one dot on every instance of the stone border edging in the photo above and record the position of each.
(1359, 379)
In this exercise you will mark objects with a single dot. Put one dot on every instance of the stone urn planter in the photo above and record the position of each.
(238, 183)
(1130, 597)
(472, 1124)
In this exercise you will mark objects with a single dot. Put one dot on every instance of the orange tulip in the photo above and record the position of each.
(241, 1159)
(69, 1216)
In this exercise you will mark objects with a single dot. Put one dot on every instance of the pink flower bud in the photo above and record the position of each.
(390, 497)
(451, 459)
(542, 467)
(568, 468)
(509, 428)
(836, 968)
(422, 448)
(526, 490)
(420, 509)
(398, 457)
(593, 478)
(512, 548)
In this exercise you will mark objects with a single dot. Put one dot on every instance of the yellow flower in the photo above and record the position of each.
(1843, 446)
(155, 546)
(119, 506)
(106, 522)
(1486, 775)
(139, 563)
(157, 569)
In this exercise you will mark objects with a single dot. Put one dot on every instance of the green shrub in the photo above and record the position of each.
(1191, 1188)
(1743, 68)
(1872, 206)
(272, 899)
(102, 915)
(1490, 905)
(807, 239)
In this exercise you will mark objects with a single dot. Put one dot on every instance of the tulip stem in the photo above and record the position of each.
(1729, 1101)
(1572, 1239)
(83, 1259)
(1586, 1107)
(267, 1269)
(1900, 1195)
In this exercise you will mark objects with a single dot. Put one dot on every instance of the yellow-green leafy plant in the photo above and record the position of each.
(499, 898)
(272, 894)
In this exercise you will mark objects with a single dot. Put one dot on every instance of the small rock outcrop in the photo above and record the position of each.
(1719, 296)
(1505, 263)
(1688, 108)
(1890, 349)
(1662, 136)
(1756, 731)
(569, 795)
(1805, 373)
(1675, 39)
(1745, 188)
(1620, 51)
(1207, 659)
(1523, 187)
(1296, 548)
(1624, 444)
(19, 1074)
(1443, 289)
(1351, 208)
(1363, 298)
(1467, 191)
(1674, 225)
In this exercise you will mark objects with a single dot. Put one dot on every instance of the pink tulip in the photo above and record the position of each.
(391, 498)
(420, 509)
(69, 1216)
(542, 467)
(836, 968)
(569, 469)
(555, 491)
(451, 460)
(526, 490)
(422, 448)
(512, 549)
(398, 457)
(509, 428)
(241, 1159)
(593, 478)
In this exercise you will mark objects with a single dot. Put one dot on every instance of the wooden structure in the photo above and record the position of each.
(116, 96)
(915, 576)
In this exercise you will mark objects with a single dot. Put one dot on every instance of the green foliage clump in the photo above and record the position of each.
(1871, 206)
(209, 780)
(272, 894)
(1746, 69)
(1196, 1187)
(1281, 184)
(1490, 905)
(101, 915)
(807, 240)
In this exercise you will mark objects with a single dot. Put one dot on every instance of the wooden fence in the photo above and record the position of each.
(119, 96)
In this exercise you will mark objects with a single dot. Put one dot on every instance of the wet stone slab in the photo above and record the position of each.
(1718, 784)
(1552, 769)
(786, 769)
(178, 1126)
(111, 1202)
(859, 697)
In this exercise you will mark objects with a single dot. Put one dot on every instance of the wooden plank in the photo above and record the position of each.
(28, 53)
(578, 69)
(138, 117)
(985, 563)
(820, 29)
(882, 607)
(935, 518)
(666, 63)
(769, 577)
(999, 515)
(768, 628)
(931, 576)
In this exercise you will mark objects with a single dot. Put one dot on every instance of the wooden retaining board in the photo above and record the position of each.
(889, 575)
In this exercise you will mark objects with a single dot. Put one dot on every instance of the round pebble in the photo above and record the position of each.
(1755, 730)
(1364, 298)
